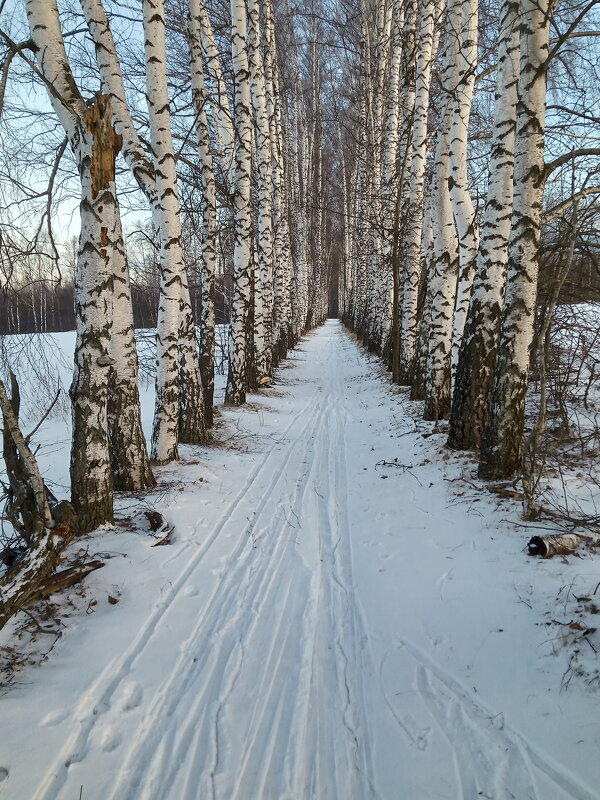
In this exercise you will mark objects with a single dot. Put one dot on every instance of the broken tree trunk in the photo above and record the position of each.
(33, 576)
(29, 496)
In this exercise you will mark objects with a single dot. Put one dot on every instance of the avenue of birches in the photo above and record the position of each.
(427, 170)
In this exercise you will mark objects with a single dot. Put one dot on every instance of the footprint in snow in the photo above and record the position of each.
(76, 757)
(110, 739)
(447, 576)
(131, 697)
(53, 718)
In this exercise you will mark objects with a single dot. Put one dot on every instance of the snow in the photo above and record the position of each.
(343, 612)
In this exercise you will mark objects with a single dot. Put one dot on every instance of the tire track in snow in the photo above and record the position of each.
(92, 703)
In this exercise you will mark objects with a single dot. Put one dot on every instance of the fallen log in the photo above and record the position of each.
(36, 578)
(46, 532)
(556, 544)
(62, 580)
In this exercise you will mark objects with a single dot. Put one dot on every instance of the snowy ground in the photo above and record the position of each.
(342, 613)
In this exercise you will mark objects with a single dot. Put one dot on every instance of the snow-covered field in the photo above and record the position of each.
(343, 612)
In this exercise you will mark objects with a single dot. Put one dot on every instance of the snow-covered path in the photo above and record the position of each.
(331, 625)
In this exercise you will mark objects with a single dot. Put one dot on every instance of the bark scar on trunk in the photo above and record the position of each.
(106, 142)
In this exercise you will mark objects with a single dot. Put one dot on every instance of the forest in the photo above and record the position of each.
(245, 247)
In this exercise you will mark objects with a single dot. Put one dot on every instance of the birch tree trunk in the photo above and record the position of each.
(208, 211)
(445, 249)
(477, 355)
(376, 284)
(235, 393)
(417, 387)
(95, 145)
(395, 295)
(264, 292)
(128, 446)
(282, 312)
(462, 205)
(502, 441)
(129, 455)
(218, 93)
(179, 415)
(363, 185)
(21, 465)
(389, 186)
(145, 175)
(412, 246)
(91, 473)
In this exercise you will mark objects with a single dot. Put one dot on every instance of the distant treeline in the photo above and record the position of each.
(46, 308)
(43, 307)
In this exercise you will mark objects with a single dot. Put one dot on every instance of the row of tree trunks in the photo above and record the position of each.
(94, 141)
(274, 266)
(463, 308)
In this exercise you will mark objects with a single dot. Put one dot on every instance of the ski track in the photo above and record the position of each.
(284, 620)
(491, 759)
(281, 619)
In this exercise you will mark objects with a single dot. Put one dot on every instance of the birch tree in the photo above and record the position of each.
(414, 218)
(454, 232)
(462, 205)
(217, 91)
(94, 143)
(179, 414)
(238, 337)
(390, 189)
(443, 284)
(264, 290)
(282, 314)
(176, 414)
(208, 208)
(502, 441)
(129, 457)
(477, 353)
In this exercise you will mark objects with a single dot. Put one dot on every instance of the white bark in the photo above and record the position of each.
(129, 455)
(238, 335)
(502, 441)
(94, 144)
(477, 353)
(224, 127)
(208, 209)
(417, 390)
(462, 84)
(388, 189)
(264, 290)
(112, 84)
(11, 423)
(445, 247)
(178, 414)
(376, 285)
(412, 245)
(178, 352)
(282, 312)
